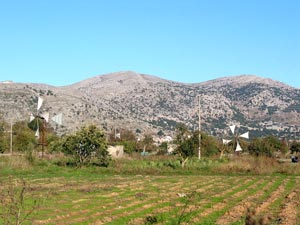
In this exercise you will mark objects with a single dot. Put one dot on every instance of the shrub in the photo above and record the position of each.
(266, 146)
(85, 145)
(295, 147)
(15, 208)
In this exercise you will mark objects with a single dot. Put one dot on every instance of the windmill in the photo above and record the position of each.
(44, 117)
(236, 138)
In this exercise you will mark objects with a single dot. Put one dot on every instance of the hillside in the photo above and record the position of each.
(149, 103)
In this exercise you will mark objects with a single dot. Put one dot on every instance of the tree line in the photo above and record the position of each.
(88, 145)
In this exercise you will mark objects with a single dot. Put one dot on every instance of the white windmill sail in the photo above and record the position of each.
(238, 147)
(40, 102)
(58, 119)
(31, 118)
(245, 135)
(232, 128)
(45, 115)
(37, 133)
(225, 141)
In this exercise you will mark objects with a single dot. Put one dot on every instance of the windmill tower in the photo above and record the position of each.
(236, 137)
(44, 118)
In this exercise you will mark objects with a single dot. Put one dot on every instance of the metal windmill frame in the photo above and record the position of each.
(44, 117)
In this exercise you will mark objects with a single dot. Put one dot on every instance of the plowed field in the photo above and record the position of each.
(167, 200)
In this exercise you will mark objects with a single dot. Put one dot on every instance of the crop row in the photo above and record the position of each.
(165, 200)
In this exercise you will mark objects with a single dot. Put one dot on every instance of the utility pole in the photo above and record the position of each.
(199, 128)
(43, 136)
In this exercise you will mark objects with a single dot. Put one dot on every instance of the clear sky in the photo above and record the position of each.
(60, 42)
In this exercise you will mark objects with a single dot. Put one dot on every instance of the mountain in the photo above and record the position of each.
(137, 101)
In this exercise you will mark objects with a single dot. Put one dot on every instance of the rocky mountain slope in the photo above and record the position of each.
(148, 103)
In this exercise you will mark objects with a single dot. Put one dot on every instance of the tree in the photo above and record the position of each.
(138, 131)
(126, 138)
(129, 146)
(222, 148)
(52, 139)
(127, 135)
(209, 144)
(284, 146)
(275, 143)
(265, 146)
(85, 144)
(24, 139)
(185, 144)
(147, 142)
(258, 147)
(163, 148)
(3, 138)
(160, 133)
(295, 147)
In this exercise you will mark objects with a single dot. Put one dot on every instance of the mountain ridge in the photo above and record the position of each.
(118, 75)
(241, 78)
(138, 101)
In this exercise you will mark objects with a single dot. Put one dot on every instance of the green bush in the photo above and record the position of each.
(86, 146)
(266, 146)
(3, 144)
(129, 146)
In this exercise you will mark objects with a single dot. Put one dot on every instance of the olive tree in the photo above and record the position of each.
(185, 142)
(86, 144)
(147, 142)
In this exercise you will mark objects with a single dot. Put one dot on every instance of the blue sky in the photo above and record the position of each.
(60, 42)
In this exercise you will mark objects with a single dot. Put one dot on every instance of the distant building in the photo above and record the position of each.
(159, 140)
(116, 151)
